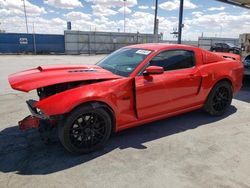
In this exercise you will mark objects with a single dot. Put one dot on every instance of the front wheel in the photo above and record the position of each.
(219, 98)
(84, 130)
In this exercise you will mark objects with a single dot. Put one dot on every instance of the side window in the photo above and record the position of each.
(174, 59)
(225, 46)
(218, 45)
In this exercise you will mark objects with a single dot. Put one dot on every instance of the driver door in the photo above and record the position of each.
(175, 89)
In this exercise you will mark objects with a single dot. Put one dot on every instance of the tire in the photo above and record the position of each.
(85, 130)
(219, 99)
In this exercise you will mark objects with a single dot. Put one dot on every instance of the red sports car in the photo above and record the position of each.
(134, 85)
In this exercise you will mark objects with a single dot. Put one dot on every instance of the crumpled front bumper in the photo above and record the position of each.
(32, 121)
(28, 123)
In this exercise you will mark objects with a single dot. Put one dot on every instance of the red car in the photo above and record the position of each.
(134, 85)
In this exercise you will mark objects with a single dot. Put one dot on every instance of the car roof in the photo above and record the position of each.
(160, 46)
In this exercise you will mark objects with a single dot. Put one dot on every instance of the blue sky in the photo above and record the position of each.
(50, 16)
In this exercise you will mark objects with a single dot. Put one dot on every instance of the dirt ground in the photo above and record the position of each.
(190, 150)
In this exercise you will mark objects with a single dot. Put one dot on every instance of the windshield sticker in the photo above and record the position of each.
(143, 52)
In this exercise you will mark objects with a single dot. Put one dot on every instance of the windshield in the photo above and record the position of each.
(124, 61)
(230, 44)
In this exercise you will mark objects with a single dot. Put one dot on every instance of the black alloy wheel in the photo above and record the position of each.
(85, 130)
(219, 98)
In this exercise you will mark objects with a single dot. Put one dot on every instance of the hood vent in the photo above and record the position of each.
(83, 70)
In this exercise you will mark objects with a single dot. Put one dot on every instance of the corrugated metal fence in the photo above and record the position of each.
(33, 43)
(84, 42)
(207, 42)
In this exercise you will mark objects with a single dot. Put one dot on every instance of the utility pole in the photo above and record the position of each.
(34, 39)
(155, 22)
(24, 8)
(180, 21)
(124, 1)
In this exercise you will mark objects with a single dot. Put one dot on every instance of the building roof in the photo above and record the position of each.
(241, 3)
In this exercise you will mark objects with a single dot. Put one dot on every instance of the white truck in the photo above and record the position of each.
(245, 54)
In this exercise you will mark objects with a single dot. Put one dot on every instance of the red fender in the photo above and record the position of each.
(119, 93)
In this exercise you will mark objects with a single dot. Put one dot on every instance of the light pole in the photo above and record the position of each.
(180, 21)
(124, 1)
(24, 9)
(155, 22)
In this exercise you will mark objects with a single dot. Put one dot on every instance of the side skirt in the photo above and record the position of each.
(152, 119)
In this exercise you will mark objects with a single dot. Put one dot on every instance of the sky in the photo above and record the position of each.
(210, 17)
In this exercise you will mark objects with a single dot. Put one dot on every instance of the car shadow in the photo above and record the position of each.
(244, 94)
(25, 154)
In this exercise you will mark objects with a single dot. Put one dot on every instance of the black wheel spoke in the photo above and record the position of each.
(221, 98)
(99, 133)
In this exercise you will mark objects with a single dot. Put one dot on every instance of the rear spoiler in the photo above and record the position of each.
(229, 56)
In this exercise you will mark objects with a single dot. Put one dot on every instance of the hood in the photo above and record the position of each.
(43, 76)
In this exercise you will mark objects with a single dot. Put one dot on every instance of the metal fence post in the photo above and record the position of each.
(34, 43)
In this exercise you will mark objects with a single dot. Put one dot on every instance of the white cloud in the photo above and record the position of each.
(15, 7)
(174, 4)
(101, 11)
(65, 4)
(230, 25)
(143, 22)
(127, 10)
(41, 25)
(143, 7)
(197, 14)
(14, 12)
(216, 8)
(72, 16)
(114, 3)
(211, 23)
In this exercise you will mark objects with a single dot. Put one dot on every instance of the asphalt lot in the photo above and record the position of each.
(190, 150)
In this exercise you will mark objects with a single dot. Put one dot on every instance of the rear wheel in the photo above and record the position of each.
(84, 130)
(219, 98)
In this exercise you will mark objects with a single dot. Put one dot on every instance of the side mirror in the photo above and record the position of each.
(153, 70)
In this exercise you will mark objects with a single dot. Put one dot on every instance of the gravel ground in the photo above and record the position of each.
(190, 150)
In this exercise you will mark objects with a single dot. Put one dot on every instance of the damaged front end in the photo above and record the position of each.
(59, 89)
(29, 122)
(50, 80)
(38, 120)
(33, 120)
